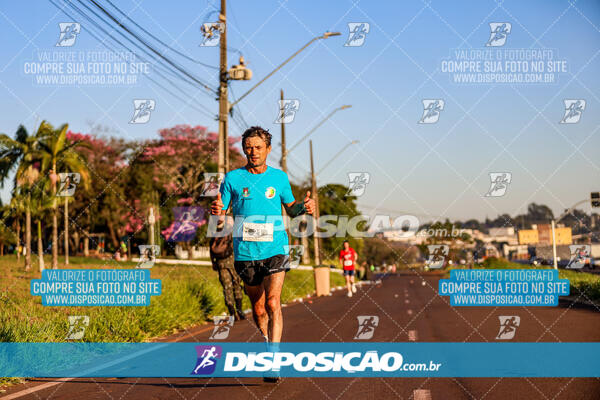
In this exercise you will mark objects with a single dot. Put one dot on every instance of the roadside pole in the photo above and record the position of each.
(223, 158)
(316, 216)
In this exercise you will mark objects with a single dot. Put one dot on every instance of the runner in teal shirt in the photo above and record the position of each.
(255, 195)
(257, 198)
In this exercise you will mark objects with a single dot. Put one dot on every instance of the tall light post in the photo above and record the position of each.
(337, 155)
(323, 36)
(315, 191)
(224, 106)
(317, 126)
(553, 224)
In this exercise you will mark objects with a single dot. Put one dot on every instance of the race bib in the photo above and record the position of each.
(255, 232)
(347, 263)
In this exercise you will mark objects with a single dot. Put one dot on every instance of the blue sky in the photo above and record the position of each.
(430, 170)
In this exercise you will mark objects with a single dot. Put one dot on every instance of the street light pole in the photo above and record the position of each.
(337, 155)
(283, 148)
(316, 216)
(318, 125)
(567, 212)
(324, 36)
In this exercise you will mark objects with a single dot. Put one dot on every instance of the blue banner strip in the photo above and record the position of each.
(354, 359)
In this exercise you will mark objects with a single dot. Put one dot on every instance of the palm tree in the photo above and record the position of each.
(57, 153)
(40, 202)
(21, 153)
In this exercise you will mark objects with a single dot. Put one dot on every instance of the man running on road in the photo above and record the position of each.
(256, 193)
(348, 260)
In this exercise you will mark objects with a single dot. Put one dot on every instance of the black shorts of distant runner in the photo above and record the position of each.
(253, 272)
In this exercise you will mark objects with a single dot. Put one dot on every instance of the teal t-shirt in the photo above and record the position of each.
(256, 201)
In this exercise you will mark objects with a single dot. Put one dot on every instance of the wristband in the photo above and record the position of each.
(297, 209)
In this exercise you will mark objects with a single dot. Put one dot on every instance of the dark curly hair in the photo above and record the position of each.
(257, 131)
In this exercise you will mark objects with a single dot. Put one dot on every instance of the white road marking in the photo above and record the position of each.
(409, 311)
(406, 301)
(421, 394)
(412, 336)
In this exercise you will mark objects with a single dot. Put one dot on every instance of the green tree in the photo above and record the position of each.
(58, 155)
(22, 155)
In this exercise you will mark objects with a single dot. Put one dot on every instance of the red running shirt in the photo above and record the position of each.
(347, 258)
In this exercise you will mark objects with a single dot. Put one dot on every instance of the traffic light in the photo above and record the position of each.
(595, 199)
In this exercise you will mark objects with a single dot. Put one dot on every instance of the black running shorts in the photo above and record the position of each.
(253, 272)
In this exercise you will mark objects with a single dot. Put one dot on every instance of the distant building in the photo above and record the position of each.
(501, 235)
(563, 234)
(504, 231)
(528, 236)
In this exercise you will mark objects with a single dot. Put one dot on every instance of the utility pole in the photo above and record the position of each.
(67, 230)
(283, 148)
(316, 197)
(223, 162)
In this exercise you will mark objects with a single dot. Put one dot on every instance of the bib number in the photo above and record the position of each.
(347, 263)
(255, 232)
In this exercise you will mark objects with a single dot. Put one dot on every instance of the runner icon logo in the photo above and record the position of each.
(508, 327)
(498, 33)
(357, 183)
(148, 254)
(68, 183)
(77, 325)
(211, 31)
(580, 253)
(142, 110)
(432, 109)
(295, 252)
(437, 255)
(366, 326)
(207, 359)
(68, 33)
(357, 33)
(212, 181)
(222, 326)
(499, 183)
(287, 111)
(573, 111)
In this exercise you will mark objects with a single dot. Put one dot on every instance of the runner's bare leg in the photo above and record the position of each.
(273, 285)
(348, 284)
(259, 312)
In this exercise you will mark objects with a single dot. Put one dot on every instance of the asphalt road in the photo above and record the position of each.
(408, 310)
